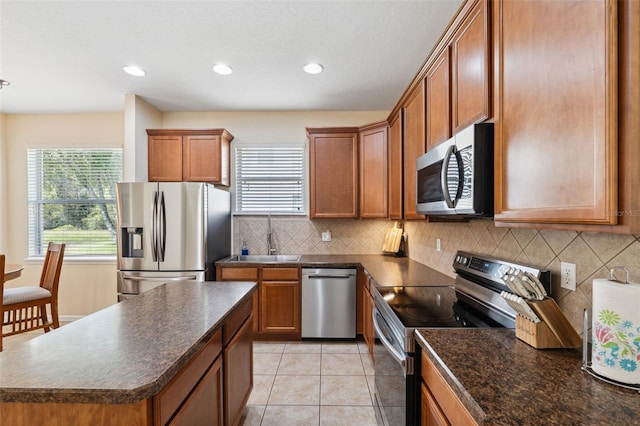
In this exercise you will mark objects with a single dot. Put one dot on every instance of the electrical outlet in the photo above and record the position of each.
(326, 235)
(438, 246)
(568, 276)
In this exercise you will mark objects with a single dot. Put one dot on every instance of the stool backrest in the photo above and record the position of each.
(51, 268)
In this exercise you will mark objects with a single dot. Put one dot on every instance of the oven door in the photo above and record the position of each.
(439, 179)
(395, 392)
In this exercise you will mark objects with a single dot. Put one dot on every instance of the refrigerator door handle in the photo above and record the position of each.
(154, 227)
(163, 225)
(182, 278)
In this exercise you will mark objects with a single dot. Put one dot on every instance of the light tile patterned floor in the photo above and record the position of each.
(302, 383)
(311, 383)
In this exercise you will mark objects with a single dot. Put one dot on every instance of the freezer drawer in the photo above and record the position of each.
(328, 303)
(134, 283)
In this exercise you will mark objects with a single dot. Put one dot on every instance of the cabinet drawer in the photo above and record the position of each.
(239, 274)
(281, 274)
(446, 399)
(173, 394)
(235, 320)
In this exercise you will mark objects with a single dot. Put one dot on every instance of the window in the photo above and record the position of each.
(270, 179)
(72, 199)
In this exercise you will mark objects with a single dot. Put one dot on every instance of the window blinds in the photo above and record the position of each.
(270, 179)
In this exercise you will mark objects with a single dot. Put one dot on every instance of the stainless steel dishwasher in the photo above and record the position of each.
(329, 302)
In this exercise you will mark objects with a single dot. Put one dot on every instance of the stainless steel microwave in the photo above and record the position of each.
(456, 177)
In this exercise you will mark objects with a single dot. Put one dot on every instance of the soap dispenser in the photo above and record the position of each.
(245, 250)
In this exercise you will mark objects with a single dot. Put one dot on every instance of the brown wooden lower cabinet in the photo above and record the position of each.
(204, 405)
(440, 405)
(431, 414)
(184, 392)
(238, 373)
(368, 333)
(276, 304)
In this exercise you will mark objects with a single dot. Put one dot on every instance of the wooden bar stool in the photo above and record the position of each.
(25, 308)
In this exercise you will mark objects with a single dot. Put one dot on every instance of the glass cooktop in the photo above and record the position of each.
(432, 306)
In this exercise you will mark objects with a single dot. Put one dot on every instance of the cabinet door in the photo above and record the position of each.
(373, 172)
(438, 100)
(556, 134)
(333, 164)
(395, 167)
(280, 307)
(431, 414)
(368, 333)
(204, 405)
(165, 158)
(471, 75)
(201, 159)
(414, 147)
(238, 373)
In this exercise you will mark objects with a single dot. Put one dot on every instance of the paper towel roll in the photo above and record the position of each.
(616, 331)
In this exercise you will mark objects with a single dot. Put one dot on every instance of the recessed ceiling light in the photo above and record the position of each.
(313, 68)
(134, 70)
(222, 69)
(4, 83)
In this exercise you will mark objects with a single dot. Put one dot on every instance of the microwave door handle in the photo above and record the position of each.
(443, 176)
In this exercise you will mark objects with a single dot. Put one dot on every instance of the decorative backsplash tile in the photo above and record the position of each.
(593, 253)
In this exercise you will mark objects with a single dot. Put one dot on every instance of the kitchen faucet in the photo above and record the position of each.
(271, 249)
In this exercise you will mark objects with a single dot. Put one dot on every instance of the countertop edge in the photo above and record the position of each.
(467, 400)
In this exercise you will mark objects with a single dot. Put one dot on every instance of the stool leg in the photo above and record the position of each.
(54, 315)
(43, 318)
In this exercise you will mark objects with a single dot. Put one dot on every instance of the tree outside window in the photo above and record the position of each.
(72, 199)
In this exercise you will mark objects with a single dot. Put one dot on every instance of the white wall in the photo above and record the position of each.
(3, 186)
(139, 116)
(84, 287)
(270, 126)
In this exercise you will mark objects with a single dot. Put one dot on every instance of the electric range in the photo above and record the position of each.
(473, 301)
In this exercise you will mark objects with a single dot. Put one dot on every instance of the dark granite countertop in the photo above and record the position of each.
(387, 271)
(504, 381)
(123, 353)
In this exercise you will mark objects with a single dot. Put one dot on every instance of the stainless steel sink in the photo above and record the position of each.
(266, 258)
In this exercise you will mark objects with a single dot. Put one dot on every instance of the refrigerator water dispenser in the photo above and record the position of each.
(132, 242)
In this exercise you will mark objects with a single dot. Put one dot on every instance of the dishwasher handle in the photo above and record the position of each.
(317, 277)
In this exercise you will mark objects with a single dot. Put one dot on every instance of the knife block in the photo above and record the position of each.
(553, 331)
(538, 335)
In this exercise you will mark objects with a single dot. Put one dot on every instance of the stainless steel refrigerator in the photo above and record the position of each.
(169, 231)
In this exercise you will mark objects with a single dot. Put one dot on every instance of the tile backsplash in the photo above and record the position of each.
(593, 253)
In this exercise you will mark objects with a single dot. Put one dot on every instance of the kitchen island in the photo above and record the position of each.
(148, 360)
(501, 380)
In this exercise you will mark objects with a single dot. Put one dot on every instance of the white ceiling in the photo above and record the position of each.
(67, 56)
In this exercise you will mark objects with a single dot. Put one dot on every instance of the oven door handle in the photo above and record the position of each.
(397, 355)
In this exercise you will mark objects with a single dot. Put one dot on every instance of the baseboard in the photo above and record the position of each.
(69, 318)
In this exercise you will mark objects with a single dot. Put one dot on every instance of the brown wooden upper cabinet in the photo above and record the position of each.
(414, 147)
(189, 155)
(457, 82)
(438, 102)
(395, 166)
(470, 71)
(556, 111)
(373, 161)
(333, 171)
